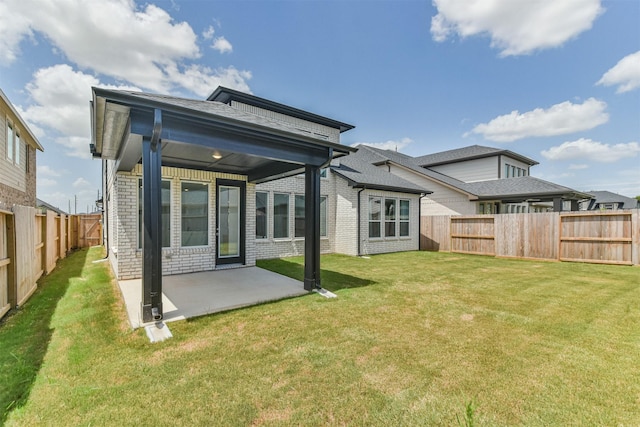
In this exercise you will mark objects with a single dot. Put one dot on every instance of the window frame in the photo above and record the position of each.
(390, 217)
(372, 221)
(266, 216)
(403, 221)
(275, 217)
(323, 216)
(207, 215)
(139, 215)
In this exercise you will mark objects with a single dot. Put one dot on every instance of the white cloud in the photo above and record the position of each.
(625, 74)
(208, 33)
(559, 119)
(44, 170)
(585, 148)
(515, 27)
(81, 183)
(61, 102)
(388, 145)
(222, 45)
(143, 46)
(47, 182)
(578, 167)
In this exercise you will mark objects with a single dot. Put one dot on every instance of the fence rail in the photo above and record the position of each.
(593, 237)
(30, 245)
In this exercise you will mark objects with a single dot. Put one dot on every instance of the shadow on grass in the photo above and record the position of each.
(331, 280)
(25, 333)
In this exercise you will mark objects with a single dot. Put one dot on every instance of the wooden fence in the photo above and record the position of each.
(608, 237)
(32, 242)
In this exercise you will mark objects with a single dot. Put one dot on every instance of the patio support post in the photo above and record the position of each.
(151, 309)
(312, 228)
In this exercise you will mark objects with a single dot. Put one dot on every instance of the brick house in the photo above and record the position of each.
(18, 147)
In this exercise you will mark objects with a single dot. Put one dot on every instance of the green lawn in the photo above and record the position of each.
(412, 339)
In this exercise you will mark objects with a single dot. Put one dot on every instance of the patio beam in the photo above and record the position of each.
(151, 305)
(312, 228)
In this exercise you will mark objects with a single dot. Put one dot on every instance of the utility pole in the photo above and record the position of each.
(76, 203)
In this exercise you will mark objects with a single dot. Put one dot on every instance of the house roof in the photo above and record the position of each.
(360, 171)
(226, 95)
(45, 205)
(515, 189)
(203, 135)
(601, 197)
(523, 187)
(468, 153)
(33, 141)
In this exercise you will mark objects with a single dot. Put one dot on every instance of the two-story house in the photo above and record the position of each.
(477, 179)
(18, 147)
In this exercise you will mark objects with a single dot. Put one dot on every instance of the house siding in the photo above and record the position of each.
(17, 180)
(483, 169)
(291, 246)
(512, 162)
(123, 217)
(389, 244)
(443, 200)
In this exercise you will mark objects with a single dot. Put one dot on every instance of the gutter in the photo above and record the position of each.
(359, 253)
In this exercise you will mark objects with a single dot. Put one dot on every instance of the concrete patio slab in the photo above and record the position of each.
(197, 294)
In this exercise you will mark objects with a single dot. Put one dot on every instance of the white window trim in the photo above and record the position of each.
(266, 238)
(138, 216)
(209, 210)
(273, 224)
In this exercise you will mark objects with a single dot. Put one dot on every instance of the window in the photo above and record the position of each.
(166, 213)
(507, 168)
(262, 200)
(280, 216)
(10, 137)
(18, 144)
(375, 209)
(194, 200)
(404, 218)
(323, 216)
(323, 173)
(299, 216)
(390, 217)
(299, 226)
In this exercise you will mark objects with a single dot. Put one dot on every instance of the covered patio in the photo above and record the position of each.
(236, 140)
(196, 294)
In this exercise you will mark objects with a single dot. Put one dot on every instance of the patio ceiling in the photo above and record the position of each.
(205, 135)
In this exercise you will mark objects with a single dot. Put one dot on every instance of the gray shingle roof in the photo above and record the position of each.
(467, 153)
(219, 109)
(523, 186)
(358, 168)
(601, 197)
(520, 187)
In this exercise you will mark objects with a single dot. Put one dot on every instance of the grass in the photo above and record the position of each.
(412, 339)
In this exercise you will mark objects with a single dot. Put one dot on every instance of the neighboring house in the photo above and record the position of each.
(41, 204)
(18, 147)
(608, 201)
(477, 180)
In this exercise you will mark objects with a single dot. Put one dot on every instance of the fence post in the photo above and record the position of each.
(12, 283)
(635, 237)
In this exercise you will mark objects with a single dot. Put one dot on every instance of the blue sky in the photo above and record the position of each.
(557, 81)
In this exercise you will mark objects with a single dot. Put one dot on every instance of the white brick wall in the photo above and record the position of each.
(127, 258)
(342, 226)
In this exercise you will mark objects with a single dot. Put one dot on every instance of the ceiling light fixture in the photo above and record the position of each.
(216, 155)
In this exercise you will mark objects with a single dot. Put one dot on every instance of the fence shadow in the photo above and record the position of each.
(25, 334)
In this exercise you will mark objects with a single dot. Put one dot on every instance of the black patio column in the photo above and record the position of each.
(312, 228)
(152, 224)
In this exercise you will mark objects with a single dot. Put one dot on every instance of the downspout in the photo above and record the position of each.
(420, 220)
(105, 210)
(359, 224)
